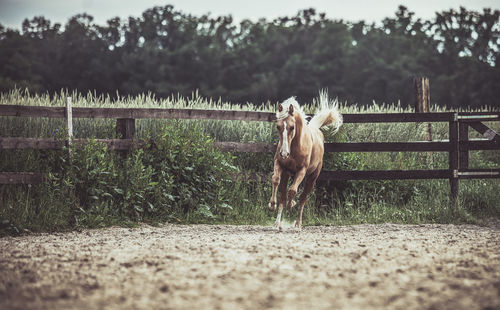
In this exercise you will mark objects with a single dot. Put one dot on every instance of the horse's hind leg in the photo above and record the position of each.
(282, 188)
(309, 183)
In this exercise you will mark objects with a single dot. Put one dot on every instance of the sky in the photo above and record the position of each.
(13, 12)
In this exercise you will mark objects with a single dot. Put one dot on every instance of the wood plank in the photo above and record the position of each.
(423, 146)
(29, 143)
(486, 131)
(418, 146)
(478, 145)
(138, 113)
(32, 111)
(53, 144)
(122, 144)
(398, 117)
(364, 175)
(247, 147)
(384, 175)
(113, 144)
(21, 177)
(80, 112)
(59, 112)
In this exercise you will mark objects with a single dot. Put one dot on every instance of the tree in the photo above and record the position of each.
(165, 51)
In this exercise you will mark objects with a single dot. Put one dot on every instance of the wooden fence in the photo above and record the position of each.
(457, 146)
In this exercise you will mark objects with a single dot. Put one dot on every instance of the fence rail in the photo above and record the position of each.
(158, 113)
(458, 145)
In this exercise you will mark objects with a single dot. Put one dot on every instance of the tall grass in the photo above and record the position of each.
(46, 207)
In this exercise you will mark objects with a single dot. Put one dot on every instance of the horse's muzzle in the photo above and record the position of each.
(284, 155)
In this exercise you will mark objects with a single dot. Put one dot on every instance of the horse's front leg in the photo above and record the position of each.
(282, 187)
(276, 181)
(299, 176)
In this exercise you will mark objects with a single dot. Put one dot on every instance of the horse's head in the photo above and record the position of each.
(286, 128)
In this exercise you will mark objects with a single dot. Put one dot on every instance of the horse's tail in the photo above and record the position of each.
(328, 113)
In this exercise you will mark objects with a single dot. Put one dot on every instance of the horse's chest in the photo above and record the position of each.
(290, 165)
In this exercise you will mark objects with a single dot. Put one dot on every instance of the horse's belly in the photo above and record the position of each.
(316, 158)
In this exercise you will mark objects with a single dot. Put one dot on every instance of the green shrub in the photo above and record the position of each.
(196, 172)
(180, 176)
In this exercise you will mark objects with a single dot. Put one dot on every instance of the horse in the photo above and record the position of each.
(300, 151)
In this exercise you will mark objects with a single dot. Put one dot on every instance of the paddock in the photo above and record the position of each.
(254, 267)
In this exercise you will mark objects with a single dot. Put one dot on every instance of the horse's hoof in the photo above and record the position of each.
(297, 226)
(272, 206)
(291, 204)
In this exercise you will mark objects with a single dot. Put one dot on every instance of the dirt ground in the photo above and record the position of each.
(254, 267)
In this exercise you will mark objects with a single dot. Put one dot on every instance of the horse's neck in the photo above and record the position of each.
(301, 130)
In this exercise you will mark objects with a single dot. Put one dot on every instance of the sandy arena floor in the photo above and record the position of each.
(254, 267)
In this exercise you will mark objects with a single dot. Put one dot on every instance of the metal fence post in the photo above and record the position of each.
(69, 119)
(69, 122)
(453, 159)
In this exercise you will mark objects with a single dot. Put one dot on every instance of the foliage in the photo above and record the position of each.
(167, 52)
(180, 177)
(197, 172)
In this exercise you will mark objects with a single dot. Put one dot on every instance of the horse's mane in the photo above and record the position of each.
(296, 107)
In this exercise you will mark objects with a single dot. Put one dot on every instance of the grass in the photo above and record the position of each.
(47, 208)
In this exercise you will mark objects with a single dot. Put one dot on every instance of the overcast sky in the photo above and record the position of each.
(13, 12)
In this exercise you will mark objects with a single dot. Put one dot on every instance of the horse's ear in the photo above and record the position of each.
(280, 107)
(290, 110)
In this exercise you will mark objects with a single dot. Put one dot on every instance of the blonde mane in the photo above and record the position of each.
(286, 106)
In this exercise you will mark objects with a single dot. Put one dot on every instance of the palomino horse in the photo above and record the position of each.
(300, 151)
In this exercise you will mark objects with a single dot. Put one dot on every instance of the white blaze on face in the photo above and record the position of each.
(285, 150)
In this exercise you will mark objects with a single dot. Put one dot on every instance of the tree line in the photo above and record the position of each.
(165, 51)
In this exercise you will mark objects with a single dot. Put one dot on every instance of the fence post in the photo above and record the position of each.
(463, 136)
(125, 128)
(423, 99)
(453, 159)
(69, 122)
(69, 119)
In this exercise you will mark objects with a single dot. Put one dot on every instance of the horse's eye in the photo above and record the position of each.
(292, 127)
